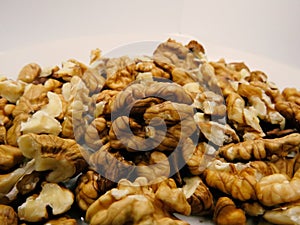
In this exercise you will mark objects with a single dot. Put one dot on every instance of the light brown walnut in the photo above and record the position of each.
(29, 72)
(226, 213)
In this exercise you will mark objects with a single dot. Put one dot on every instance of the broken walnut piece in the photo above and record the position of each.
(138, 203)
(261, 148)
(65, 220)
(62, 157)
(90, 186)
(29, 72)
(8, 216)
(226, 213)
(198, 196)
(278, 188)
(9, 157)
(58, 198)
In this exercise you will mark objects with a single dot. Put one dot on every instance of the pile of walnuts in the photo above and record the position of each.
(137, 141)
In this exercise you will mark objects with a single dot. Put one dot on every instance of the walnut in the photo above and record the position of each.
(120, 72)
(171, 54)
(253, 208)
(8, 190)
(139, 203)
(93, 78)
(210, 103)
(32, 100)
(239, 183)
(76, 94)
(168, 91)
(9, 157)
(96, 133)
(61, 220)
(150, 67)
(90, 186)
(28, 182)
(69, 69)
(285, 214)
(217, 133)
(8, 215)
(29, 72)
(53, 85)
(157, 165)
(104, 102)
(202, 154)
(278, 188)
(111, 164)
(288, 104)
(11, 90)
(62, 157)
(198, 196)
(59, 199)
(226, 213)
(170, 112)
(261, 148)
(41, 123)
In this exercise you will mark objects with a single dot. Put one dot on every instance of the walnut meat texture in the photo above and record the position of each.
(198, 196)
(58, 198)
(62, 157)
(90, 186)
(8, 216)
(226, 213)
(9, 157)
(288, 104)
(278, 188)
(261, 148)
(111, 163)
(138, 203)
(287, 214)
(29, 72)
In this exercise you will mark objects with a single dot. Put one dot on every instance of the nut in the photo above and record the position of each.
(52, 195)
(29, 72)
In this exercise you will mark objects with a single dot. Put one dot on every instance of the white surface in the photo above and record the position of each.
(263, 33)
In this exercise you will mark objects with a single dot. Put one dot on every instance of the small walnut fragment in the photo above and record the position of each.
(29, 72)
(9, 157)
(62, 157)
(52, 195)
(11, 90)
(62, 221)
(226, 213)
(8, 216)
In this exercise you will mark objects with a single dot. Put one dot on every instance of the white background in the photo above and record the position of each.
(48, 31)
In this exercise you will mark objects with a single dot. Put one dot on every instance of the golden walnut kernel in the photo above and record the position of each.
(29, 72)
(9, 157)
(7, 215)
(59, 199)
(226, 213)
(61, 157)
